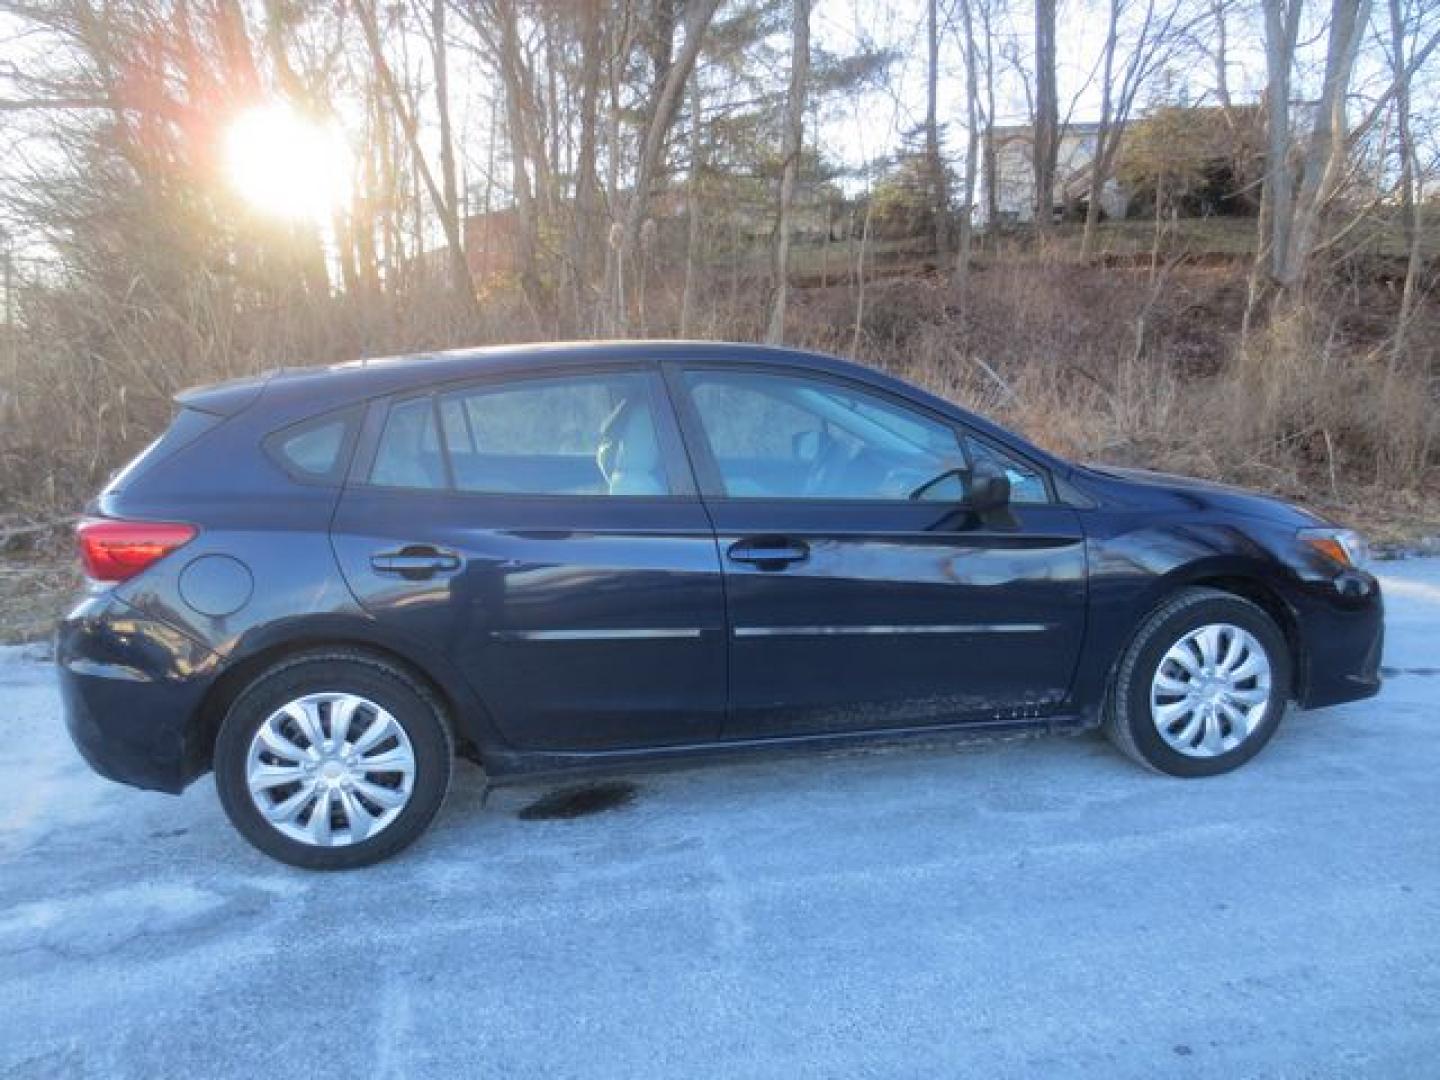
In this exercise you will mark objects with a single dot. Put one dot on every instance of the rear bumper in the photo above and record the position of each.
(1342, 627)
(132, 688)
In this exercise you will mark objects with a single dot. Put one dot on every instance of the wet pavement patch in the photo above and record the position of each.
(580, 801)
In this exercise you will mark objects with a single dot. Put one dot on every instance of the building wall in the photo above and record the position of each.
(1015, 175)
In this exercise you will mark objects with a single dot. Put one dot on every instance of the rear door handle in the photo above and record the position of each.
(415, 562)
(769, 552)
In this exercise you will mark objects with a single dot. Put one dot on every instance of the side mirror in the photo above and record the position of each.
(989, 487)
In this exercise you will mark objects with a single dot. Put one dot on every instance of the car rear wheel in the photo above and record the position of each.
(1202, 687)
(333, 760)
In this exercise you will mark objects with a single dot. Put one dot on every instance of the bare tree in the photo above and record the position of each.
(1220, 51)
(520, 115)
(447, 209)
(987, 11)
(1046, 129)
(934, 164)
(693, 212)
(449, 190)
(972, 147)
(587, 234)
(1292, 206)
(1155, 40)
(794, 142)
(698, 15)
(1325, 160)
(1406, 23)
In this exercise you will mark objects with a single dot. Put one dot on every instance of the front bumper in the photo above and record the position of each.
(1342, 627)
(132, 687)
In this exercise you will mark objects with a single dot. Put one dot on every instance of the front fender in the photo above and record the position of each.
(1132, 569)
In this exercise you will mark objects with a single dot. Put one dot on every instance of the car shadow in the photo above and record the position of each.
(579, 800)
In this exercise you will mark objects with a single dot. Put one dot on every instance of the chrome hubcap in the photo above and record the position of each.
(330, 769)
(1211, 690)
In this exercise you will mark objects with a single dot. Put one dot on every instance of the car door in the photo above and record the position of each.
(861, 594)
(542, 532)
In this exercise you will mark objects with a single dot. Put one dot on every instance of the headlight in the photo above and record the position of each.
(1344, 547)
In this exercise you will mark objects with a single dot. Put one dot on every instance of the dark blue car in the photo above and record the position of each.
(323, 583)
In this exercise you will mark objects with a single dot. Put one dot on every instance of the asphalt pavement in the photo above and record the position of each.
(1025, 907)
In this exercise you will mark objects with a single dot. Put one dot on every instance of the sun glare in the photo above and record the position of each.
(287, 164)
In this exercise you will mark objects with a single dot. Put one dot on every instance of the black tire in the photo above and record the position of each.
(412, 705)
(1127, 719)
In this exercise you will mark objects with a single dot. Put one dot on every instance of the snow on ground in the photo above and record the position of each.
(1028, 907)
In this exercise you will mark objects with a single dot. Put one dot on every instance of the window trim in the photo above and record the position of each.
(707, 469)
(1044, 474)
(350, 415)
(372, 450)
(678, 470)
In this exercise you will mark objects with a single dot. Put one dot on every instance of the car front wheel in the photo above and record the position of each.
(1202, 687)
(333, 760)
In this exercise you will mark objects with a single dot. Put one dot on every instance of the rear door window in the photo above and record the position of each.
(587, 434)
(574, 435)
(409, 454)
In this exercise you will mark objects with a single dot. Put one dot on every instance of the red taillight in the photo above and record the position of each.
(115, 550)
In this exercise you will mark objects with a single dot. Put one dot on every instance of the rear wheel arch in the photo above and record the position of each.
(462, 711)
(273, 767)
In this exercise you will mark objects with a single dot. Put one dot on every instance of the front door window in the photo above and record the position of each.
(785, 437)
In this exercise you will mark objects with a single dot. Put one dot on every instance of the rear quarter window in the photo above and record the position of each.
(315, 450)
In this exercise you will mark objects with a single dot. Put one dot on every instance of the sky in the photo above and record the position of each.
(853, 133)
(865, 128)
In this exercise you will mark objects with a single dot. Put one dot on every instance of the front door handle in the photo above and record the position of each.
(415, 562)
(769, 552)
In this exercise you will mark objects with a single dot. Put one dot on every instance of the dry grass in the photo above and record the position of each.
(1112, 365)
(1096, 363)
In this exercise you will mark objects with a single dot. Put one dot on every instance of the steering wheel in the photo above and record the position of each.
(831, 460)
(957, 473)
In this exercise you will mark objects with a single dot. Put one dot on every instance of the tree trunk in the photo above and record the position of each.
(1220, 54)
(698, 14)
(1327, 150)
(445, 211)
(692, 240)
(860, 276)
(1102, 135)
(1047, 114)
(460, 279)
(608, 312)
(992, 169)
(587, 225)
(794, 142)
(527, 232)
(1282, 29)
(1409, 205)
(972, 147)
(939, 196)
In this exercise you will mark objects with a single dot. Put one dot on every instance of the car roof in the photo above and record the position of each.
(386, 374)
(296, 390)
(358, 379)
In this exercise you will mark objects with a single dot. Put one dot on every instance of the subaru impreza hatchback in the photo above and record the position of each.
(324, 583)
